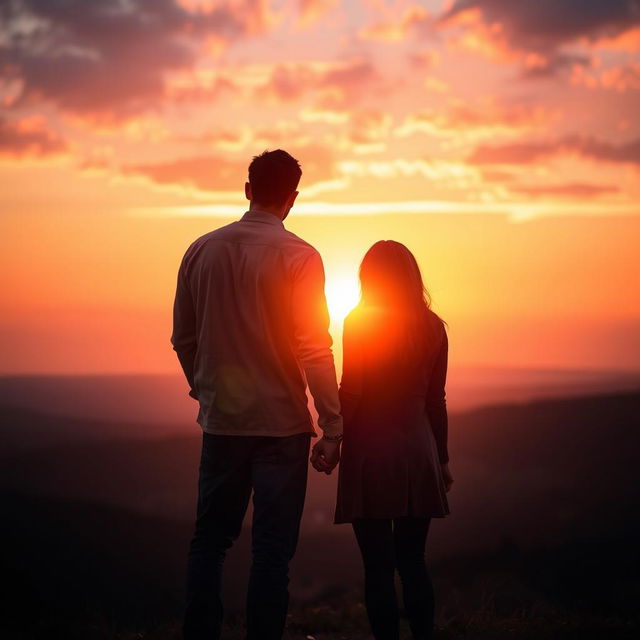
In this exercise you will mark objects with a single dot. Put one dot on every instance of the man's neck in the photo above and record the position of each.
(278, 213)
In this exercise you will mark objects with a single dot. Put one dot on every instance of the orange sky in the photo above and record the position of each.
(498, 140)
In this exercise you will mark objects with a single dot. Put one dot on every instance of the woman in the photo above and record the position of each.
(394, 474)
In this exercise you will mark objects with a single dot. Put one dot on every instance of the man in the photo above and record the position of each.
(250, 328)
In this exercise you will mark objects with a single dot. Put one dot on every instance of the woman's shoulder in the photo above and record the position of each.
(436, 331)
(435, 321)
(363, 316)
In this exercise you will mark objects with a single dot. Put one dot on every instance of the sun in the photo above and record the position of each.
(343, 293)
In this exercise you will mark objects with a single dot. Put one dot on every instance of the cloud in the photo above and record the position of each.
(569, 190)
(368, 126)
(486, 116)
(29, 137)
(337, 85)
(424, 60)
(109, 59)
(496, 175)
(627, 41)
(196, 88)
(393, 28)
(211, 173)
(530, 152)
(311, 10)
(206, 173)
(621, 78)
(535, 33)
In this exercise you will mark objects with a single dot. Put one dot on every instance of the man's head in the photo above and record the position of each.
(273, 180)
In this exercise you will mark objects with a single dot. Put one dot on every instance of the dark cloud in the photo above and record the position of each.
(529, 152)
(108, 57)
(547, 24)
(568, 190)
(543, 27)
(552, 64)
(27, 138)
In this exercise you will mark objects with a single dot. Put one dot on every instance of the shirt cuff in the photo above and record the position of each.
(333, 428)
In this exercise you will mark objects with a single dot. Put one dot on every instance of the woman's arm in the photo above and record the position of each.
(352, 369)
(436, 404)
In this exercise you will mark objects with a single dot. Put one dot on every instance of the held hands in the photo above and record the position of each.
(325, 455)
(446, 476)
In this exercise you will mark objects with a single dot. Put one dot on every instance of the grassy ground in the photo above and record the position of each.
(345, 619)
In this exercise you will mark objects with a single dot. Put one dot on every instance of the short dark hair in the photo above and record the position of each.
(273, 176)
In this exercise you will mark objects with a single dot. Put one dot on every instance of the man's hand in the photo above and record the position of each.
(325, 455)
(446, 475)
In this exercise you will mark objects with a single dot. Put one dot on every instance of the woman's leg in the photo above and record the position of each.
(410, 536)
(375, 539)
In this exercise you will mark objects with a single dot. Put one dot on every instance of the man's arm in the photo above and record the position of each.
(313, 342)
(183, 337)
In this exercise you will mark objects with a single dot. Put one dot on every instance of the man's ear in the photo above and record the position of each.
(247, 190)
(290, 200)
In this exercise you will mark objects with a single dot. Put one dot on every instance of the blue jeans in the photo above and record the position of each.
(275, 468)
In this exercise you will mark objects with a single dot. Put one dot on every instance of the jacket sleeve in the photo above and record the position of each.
(352, 372)
(183, 337)
(313, 341)
(436, 405)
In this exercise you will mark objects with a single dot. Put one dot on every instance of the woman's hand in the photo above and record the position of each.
(446, 476)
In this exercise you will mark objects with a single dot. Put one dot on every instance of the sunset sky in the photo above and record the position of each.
(498, 139)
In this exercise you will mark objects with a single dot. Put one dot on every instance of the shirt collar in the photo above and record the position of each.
(256, 215)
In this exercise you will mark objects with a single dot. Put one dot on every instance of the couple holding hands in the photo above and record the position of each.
(250, 329)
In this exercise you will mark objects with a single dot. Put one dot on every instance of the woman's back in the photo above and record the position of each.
(387, 370)
(395, 421)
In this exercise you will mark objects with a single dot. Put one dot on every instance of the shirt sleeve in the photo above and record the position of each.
(436, 400)
(313, 341)
(183, 337)
(352, 372)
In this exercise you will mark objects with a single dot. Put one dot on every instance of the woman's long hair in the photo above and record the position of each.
(391, 283)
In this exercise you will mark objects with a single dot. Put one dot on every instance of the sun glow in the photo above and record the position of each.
(343, 293)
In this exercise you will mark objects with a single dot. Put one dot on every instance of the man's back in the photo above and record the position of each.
(250, 302)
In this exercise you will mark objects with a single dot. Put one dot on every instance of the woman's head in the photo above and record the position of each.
(396, 320)
(390, 277)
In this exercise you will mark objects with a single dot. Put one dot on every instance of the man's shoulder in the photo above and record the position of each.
(218, 233)
(291, 240)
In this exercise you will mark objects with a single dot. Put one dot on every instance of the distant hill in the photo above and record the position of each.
(538, 470)
(103, 407)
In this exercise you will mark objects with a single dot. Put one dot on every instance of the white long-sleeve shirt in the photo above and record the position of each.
(251, 330)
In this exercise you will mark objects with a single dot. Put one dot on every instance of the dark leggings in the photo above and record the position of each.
(387, 545)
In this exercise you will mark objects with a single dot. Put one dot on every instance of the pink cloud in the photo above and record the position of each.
(620, 78)
(29, 137)
(336, 85)
(577, 190)
(396, 28)
(224, 173)
(309, 11)
(530, 152)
